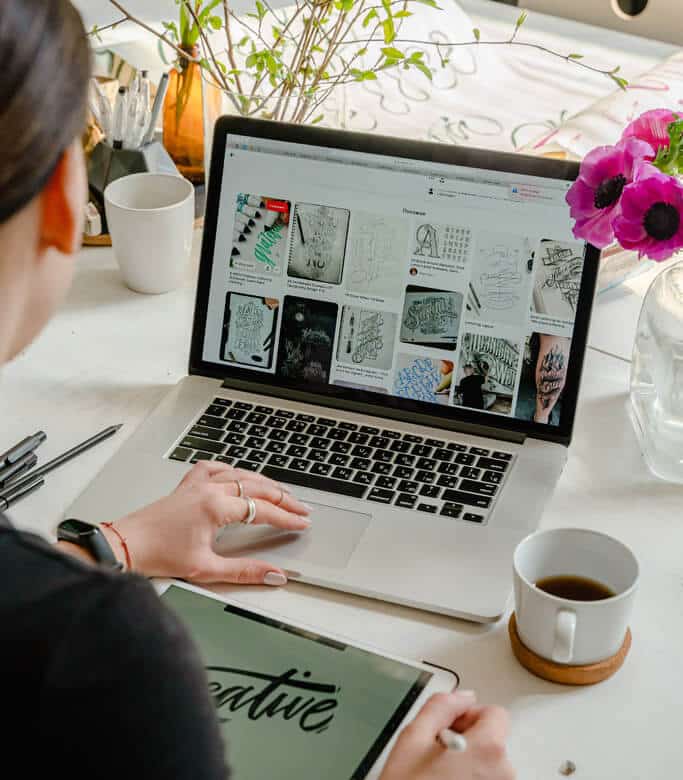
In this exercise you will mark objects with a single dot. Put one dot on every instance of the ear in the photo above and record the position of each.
(62, 205)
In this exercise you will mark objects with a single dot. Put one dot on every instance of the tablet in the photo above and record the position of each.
(296, 704)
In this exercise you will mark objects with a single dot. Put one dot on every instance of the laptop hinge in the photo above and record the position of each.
(388, 413)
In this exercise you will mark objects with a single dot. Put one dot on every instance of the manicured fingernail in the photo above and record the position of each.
(275, 579)
(308, 508)
(305, 520)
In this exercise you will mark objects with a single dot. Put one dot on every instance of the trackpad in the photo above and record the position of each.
(330, 541)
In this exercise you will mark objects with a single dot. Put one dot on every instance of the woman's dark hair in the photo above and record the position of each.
(43, 94)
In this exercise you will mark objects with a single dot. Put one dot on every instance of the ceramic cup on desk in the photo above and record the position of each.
(566, 630)
(151, 219)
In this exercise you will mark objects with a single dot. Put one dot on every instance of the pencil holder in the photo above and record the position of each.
(106, 164)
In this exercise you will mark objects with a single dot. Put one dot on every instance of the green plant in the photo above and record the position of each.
(284, 64)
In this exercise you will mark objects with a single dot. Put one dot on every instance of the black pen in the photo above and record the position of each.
(60, 459)
(21, 491)
(16, 469)
(26, 445)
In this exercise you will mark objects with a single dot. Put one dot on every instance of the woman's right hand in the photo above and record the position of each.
(418, 755)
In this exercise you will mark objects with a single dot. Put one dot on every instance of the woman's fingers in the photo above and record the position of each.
(279, 517)
(263, 488)
(242, 571)
(225, 509)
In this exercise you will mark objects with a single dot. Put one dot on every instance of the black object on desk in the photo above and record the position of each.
(19, 491)
(13, 454)
(17, 469)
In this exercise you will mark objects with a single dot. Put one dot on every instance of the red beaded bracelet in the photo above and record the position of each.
(124, 544)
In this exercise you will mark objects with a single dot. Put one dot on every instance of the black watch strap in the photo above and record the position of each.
(90, 538)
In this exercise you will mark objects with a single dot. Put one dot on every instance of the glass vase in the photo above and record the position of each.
(657, 375)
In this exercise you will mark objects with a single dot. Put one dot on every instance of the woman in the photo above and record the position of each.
(99, 680)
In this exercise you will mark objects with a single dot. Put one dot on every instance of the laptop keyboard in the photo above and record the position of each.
(360, 461)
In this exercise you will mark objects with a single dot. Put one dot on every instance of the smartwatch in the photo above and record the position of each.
(90, 538)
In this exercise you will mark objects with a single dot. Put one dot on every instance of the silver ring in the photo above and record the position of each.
(251, 511)
(282, 497)
(240, 489)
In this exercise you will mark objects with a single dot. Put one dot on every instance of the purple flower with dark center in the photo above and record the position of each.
(595, 196)
(652, 127)
(650, 219)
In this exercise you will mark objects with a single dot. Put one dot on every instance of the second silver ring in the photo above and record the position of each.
(251, 511)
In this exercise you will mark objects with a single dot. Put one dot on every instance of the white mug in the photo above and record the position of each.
(563, 630)
(151, 219)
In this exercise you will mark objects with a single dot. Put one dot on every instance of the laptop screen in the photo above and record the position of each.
(402, 282)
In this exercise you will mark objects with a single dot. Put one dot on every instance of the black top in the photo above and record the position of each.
(472, 394)
(99, 678)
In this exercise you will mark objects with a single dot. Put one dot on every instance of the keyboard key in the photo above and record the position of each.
(278, 460)
(195, 443)
(276, 446)
(235, 413)
(381, 468)
(391, 434)
(215, 434)
(255, 443)
(501, 455)
(381, 496)
(317, 456)
(180, 453)
(243, 405)
(402, 472)
(258, 430)
(385, 482)
(337, 459)
(338, 434)
(448, 468)
(384, 455)
(364, 477)
(441, 454)
(278, 435)
(215, 410)
(326, 421)
(319, 443)
(426, 464)
(431, 508)
(258, 456)
(247, 465)
(430, 491)
(284, 413)
(465, 459)
(276, 422)
(300, 439)
(451, 510)
(406, 486)
(225, 459)
(297, 426)
(316, 430)
(448, 482)
(236, 451)
(425, 476)
(400, 446)
(456, 447)
(473, 518)
(493, 465)
(201, 456)
(309, 480)
(340, 446)
(435, 442)
(404, 460)
(492, 476)
(341, 473)
(479, 451)
(369, 429)
(221, 402)
(362, 464)
(412, 438)
(256, 418)
(296, 452)
(209, 421)
(379, 441)
(358, 438)
(480, 488)
(321, 469)
(421, 450)
(307, 418)
(406, 500)
(360, 451)
(237, 426)
(348, 426)
(484, 502)
(470, 473)
(264, 409)
(299, 465)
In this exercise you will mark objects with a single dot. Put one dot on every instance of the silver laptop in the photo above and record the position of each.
(396, 330)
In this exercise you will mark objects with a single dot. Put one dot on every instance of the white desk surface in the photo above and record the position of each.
(111, 354)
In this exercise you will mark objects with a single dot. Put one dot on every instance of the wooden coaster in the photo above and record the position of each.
(566, 675)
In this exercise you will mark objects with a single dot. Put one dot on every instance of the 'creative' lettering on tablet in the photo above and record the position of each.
(277, 697)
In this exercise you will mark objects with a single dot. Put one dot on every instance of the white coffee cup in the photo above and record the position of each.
(151, 219)
(563, 630)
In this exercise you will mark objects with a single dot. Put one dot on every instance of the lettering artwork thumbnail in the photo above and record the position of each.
(259, 235)
(544, 372)
(366, 338)
(248, 334)
(488, 373)
(318, 243)
(558, 268)
(306, 340)
(431, 318)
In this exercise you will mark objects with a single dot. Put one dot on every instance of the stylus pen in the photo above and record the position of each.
(20, 492)
(25, 446)
(60, 459)
(452, 740)
(18, 468)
